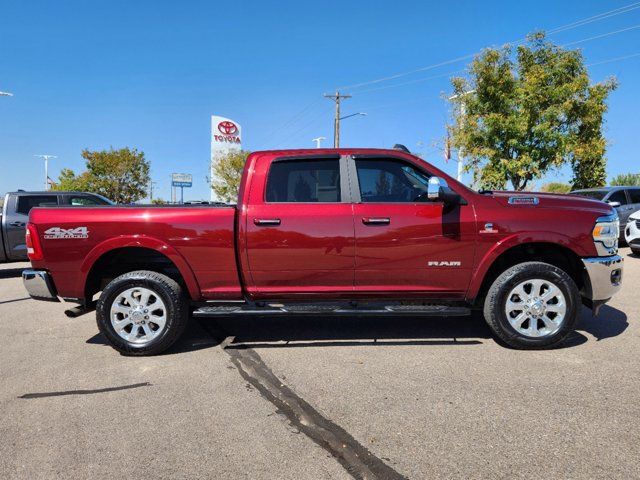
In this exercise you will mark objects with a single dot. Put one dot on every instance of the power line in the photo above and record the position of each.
(576, 24)
(404, 74)
(420, 80)
(418, 100)
(295, 118)
(608, 34)
(596, 18)
(625, 57)
(305, 126)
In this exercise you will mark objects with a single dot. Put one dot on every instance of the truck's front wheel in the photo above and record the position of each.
(142, 313)
(532, 305)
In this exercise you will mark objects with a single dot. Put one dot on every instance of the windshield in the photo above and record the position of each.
(595, 194)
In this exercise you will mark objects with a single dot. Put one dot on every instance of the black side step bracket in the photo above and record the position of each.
(80, 310)
(331, 309)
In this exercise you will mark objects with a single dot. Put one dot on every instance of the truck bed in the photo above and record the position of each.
(199, 240)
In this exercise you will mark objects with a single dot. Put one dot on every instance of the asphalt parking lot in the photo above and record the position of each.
(318, 398)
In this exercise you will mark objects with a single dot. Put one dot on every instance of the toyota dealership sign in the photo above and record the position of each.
(226, 135)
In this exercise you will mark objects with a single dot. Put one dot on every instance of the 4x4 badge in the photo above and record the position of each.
(60, 233)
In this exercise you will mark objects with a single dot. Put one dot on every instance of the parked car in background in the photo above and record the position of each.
(15, 214)
(632, 232)
(625, 200)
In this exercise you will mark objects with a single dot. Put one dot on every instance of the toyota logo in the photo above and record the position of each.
(227, 128)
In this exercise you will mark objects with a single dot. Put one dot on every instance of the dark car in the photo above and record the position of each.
(15, 214)
(625, 200)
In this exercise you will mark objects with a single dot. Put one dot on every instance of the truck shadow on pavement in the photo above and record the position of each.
(336, 331)
(609, 323)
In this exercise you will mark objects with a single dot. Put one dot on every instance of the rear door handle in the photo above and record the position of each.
(266, 222)
(17, 224)
(376, 220)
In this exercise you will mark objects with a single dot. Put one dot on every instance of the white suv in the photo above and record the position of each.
(632, 232)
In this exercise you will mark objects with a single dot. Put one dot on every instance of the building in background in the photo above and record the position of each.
(226, 135)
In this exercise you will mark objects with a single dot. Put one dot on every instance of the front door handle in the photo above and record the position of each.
(17, 224)
(376, 220)
(266, 222)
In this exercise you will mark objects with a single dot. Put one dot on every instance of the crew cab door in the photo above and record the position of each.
(407, 245)
(299, 228)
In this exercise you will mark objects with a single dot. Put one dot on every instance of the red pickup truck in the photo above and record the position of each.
(331, 231)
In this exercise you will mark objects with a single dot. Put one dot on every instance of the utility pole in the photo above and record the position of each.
(151, 184)
(46, 168)
(336, 123)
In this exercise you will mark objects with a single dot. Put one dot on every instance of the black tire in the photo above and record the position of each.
(167, 289)
(495, 302)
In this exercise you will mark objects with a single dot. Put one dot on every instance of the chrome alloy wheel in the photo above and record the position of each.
(536, 308)
(138, 315)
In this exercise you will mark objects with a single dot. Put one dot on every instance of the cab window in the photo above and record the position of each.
(27, 202)
(304, 181)
(391, 181)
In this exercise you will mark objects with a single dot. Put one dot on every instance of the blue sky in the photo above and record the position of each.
(148, 74)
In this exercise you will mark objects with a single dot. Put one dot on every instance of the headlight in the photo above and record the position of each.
(605, 234)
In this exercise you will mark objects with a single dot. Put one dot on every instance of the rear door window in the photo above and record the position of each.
(27, 202)
(304, 181)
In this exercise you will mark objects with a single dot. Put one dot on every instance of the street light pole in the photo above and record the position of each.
(46, 168)
(318, 140)
(151, 184)
(6, 94)
(463, 113)
(353, 115)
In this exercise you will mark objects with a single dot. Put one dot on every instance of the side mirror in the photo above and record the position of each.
(438, 191)
(435, 188)
(614, 204)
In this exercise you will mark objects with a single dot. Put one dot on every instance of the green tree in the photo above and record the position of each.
(556, 187)
(227, 174)
(121, 175)
(526, 111)
(631, 179)
(68, 180)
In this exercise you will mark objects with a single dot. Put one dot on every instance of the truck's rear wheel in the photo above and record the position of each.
(532, 305)
(142, 313)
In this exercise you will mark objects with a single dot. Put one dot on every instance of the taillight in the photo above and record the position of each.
(34, 250)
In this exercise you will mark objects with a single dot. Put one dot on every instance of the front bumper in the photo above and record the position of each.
(39, 285)
(604, 277)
